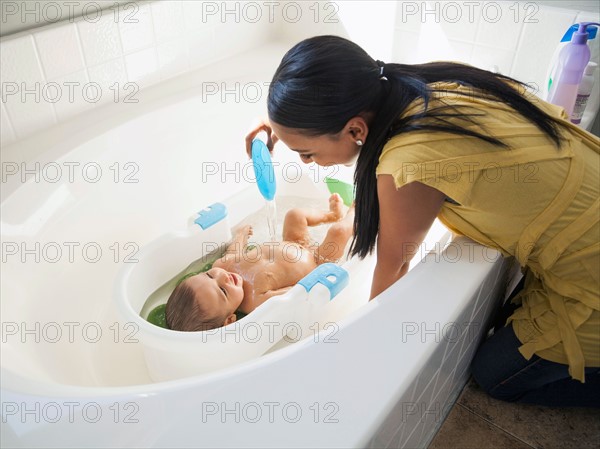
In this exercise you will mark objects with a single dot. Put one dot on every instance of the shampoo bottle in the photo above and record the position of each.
(572, 61)
(583, 93)
(566, 39)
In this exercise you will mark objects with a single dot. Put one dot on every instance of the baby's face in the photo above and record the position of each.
(220, 291)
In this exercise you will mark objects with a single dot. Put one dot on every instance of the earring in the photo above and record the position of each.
(359, 143)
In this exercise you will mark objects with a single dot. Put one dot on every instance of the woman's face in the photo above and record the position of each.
(330, 149)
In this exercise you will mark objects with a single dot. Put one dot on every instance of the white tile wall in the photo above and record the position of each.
(168, 20)
(100, 40)
(198, 46)
(405, 46)
(21, 69)
(109, 75)
(534, 52)
(142, 67)
(172, 57)
(168, 38)
(152, 42)
(192, 15)
(139, 34)
(7, 135)
(505, 17)
(59, 51)
(519, 38)
(73, 92)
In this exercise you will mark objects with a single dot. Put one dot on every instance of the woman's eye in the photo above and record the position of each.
(208, 274)
(223, 290)
(306, 156)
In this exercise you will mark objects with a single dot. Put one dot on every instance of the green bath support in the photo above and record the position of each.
(345, 190)
(157, 315)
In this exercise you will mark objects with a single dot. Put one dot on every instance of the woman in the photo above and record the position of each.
(491, 162)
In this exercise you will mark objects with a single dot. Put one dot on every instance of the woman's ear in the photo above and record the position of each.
(357, 128)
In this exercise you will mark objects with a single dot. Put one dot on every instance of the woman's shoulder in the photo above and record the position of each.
(460, 106)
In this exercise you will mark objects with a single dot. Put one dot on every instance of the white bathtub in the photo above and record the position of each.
(72, 373)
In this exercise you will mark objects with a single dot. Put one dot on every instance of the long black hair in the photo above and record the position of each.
(324, 81)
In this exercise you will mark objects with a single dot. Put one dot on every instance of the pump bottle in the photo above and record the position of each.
(572, 61)
(566, 40)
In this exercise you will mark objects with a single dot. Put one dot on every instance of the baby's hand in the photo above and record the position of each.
(240, 240)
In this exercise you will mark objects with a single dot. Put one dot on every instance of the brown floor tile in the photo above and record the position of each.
(465, 430)
(540, 427)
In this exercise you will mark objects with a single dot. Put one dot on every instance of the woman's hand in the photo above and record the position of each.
(405, 216)
(272, 139)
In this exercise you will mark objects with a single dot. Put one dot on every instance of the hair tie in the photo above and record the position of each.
(381, 65)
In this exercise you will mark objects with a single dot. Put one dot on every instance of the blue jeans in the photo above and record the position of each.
(503, 373)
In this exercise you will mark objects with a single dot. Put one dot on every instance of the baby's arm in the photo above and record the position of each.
(238, 245)
(269, 294)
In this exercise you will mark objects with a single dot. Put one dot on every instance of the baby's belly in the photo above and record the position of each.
(290, 263)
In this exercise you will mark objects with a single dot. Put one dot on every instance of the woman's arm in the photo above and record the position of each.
(405, 216)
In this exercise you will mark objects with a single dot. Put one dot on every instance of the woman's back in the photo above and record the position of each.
(531, 200)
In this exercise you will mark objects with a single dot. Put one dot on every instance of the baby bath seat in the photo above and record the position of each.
(172, 354)
(306, 309)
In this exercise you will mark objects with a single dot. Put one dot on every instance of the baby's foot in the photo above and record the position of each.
(336, 207)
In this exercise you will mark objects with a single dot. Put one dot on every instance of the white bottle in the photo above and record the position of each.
(583, 93)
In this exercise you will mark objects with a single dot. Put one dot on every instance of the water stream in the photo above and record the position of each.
(271, 212)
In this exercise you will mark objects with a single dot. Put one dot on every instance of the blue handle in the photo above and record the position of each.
(263, 169)
(211, 215)
(319, 276)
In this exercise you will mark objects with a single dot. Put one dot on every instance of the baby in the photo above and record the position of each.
(242, 280)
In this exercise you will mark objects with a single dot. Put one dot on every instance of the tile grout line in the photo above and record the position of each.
(496, 426)
(38, 58)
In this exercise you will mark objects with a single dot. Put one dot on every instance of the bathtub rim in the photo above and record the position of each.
(78, 391)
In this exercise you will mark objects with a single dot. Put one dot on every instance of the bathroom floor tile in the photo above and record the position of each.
(465, 430)
(540, 427)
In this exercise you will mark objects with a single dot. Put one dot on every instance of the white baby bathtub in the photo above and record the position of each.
(308, 308)
(74, 373)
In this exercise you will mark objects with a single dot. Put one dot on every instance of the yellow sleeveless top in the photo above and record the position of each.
(532, 201)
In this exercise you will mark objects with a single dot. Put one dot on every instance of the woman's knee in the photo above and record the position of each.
(480, 370)
(492, 385)
(495, 364)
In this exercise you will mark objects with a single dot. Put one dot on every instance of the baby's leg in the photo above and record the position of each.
(297, 220)
(338, 234)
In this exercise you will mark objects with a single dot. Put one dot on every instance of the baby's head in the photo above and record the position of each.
(205, 301)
